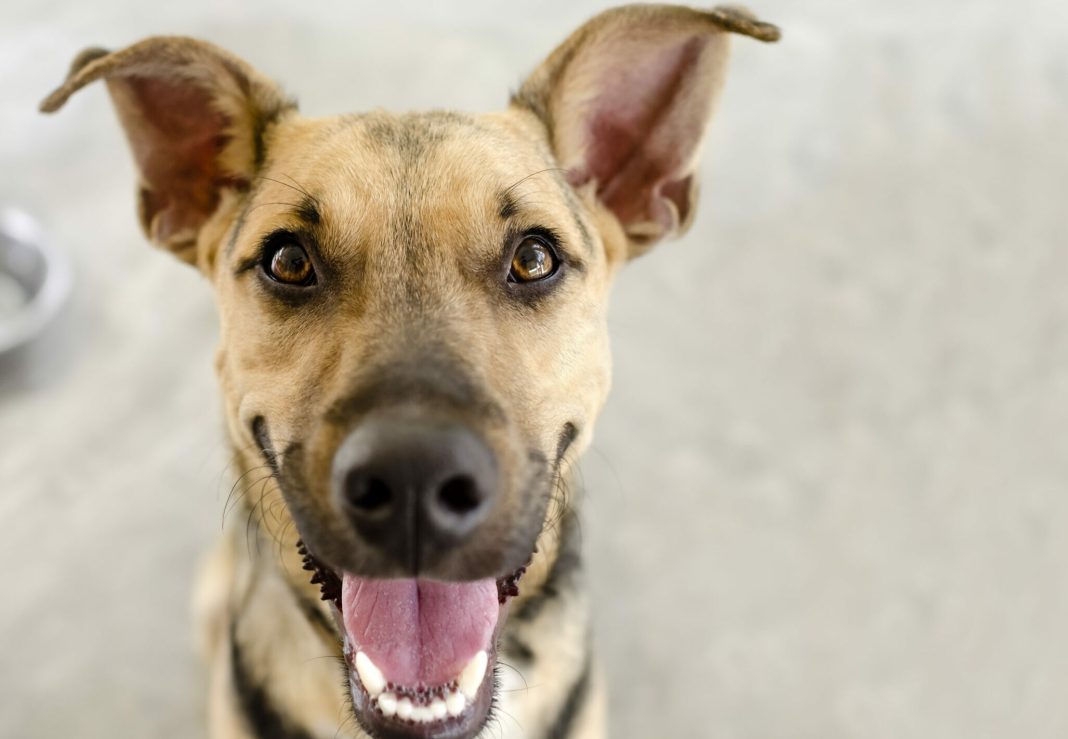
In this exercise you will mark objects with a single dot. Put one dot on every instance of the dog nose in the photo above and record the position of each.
(414, 488)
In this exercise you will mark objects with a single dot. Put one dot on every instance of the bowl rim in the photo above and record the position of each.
(30, 321)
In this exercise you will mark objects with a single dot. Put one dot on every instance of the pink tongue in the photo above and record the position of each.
(419, 631)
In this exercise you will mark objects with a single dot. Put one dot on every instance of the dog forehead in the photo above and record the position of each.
(384, 183)
(382, 159)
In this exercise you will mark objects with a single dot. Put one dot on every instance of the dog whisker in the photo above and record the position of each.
(252, 516)
(261, 205)
(239, 484)
(280, 539)
(517, 183)
(295, 186)
(300, 187)
(517, 671)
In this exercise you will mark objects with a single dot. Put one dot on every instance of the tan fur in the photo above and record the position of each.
(381, 181)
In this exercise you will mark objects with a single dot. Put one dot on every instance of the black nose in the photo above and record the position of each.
(414, 488)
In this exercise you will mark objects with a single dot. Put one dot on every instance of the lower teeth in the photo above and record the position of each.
(453, 704)
(420, 704)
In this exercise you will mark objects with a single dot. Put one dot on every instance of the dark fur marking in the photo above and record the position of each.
(290, 475)
(308, 211)
(568, 563)
(536, 102)
(434, 379)
(518, 649)
(259, 157)
(262, 718)
(575, 208)
(509, 207)
(414, 139)
(315, 616)
(576, 700)
(532, 102)
(263, 440)
(259, 146)
(240, 221)
(261, 124)
(382, 132)
(567, 437)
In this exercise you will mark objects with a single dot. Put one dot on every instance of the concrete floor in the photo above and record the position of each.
(829, 496)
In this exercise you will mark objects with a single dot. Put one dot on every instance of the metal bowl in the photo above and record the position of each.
(35, 281)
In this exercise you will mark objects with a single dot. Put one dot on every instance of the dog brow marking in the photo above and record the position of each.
(510, 205)
(307, 210)
(239, 223)
(574, 208)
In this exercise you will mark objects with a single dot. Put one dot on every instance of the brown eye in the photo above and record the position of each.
(290, 264)
(533, 260)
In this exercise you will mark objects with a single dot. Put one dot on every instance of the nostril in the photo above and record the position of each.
(459, 495)
(368, 494)
(414, 489)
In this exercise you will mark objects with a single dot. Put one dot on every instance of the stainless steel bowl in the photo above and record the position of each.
(35, 281)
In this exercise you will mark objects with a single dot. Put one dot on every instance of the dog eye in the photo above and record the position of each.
(533, 260)
(289, 264)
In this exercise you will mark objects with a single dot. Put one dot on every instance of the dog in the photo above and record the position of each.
(413, 352)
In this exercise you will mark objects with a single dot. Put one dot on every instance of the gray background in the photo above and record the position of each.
(827, 498)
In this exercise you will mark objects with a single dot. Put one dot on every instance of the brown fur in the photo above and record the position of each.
(407, 213)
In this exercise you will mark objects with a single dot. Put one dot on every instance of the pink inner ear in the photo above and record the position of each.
(176, 136)
(643, 127)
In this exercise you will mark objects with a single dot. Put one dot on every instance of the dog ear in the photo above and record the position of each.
(626, 100)
(195, 117)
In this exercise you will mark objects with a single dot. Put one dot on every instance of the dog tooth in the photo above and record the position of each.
(387, 704)
(455, 703)
(422, 714)
(405, 708)
(438, 709)
(472, 675)
(371, 677)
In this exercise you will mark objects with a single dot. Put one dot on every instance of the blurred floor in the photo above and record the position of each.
(827, 498)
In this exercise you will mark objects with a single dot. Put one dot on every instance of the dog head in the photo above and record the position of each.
(412, 311)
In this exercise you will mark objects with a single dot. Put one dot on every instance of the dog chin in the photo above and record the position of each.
(420, 653)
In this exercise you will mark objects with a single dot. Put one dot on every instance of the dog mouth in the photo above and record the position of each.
(420, 653)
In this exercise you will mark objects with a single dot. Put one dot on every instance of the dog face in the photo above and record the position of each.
(420, 289)
(412, 311)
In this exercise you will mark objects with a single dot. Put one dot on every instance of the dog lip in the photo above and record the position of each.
(329, 580)
(263, 440)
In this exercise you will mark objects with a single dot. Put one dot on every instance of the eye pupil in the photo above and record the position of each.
(533, 261)
(290, 264)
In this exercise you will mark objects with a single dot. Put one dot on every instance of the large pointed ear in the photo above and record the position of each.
(626, 101)
(195, 117)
